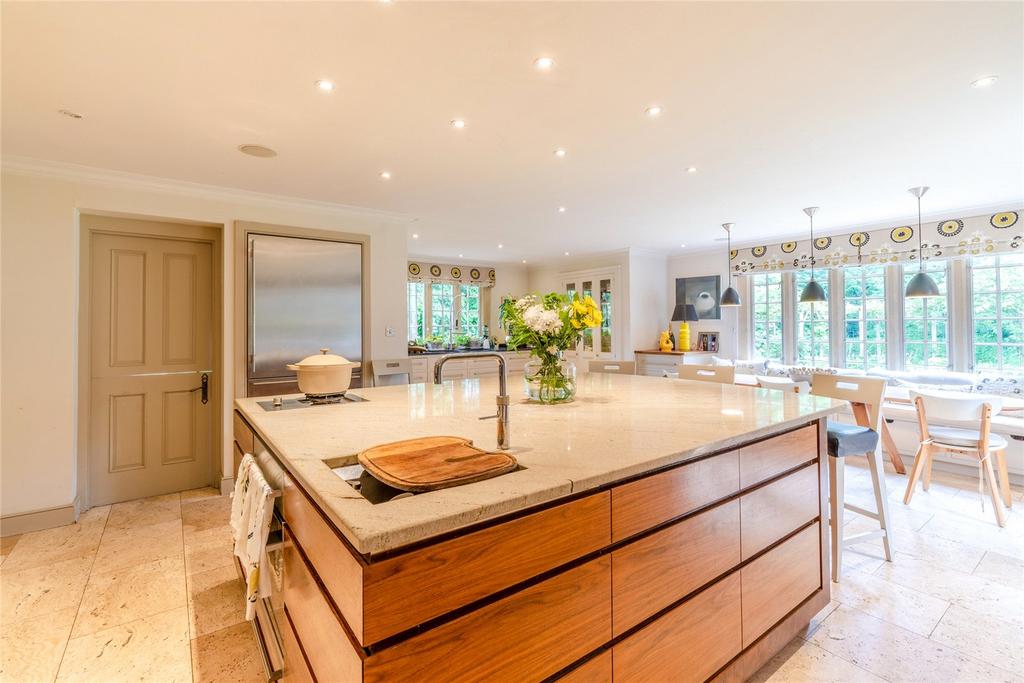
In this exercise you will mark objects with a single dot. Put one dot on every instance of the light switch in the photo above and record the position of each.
(389, 332)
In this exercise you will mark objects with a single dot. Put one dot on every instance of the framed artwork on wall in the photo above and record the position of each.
(704, 292)
(707, 341)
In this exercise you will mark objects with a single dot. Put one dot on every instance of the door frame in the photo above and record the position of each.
(162, 228)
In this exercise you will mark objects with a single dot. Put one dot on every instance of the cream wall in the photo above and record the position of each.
(509, 280)
(39, 272)
(708, 263)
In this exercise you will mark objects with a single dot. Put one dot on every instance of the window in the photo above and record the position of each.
(997, 298)
(812, 345)
(469, 310)
(606, 316)
(414, 305)
(767, 315)
(864, 298)
(926, 322)
(442, 306)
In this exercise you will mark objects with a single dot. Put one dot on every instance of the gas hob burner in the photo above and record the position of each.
(323, 399)
(310, 400)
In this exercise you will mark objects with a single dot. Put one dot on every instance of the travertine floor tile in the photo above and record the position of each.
(946, 552)
(1008, 540)
(155, 648)
(44, 548)
(35, 591)
(130, 546)
(897, 654)
(216, 600)
(211, 554)
(206, 514)
(984, 636)
(227, 656)
(800, 662)
(7, 544)
(958, 588)
(913, 610)
(31, 649)
(136, 513)
(1008, 571)
(95, 515)
(820, 617)
(195, 495)
(124, 595)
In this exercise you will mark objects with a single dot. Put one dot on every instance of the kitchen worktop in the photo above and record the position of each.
(618, 426)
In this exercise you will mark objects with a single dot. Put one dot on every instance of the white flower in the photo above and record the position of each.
(538, 319)
(552, 349)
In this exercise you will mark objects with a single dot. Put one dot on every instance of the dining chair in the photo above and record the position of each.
(389, 369)
(722, 374)
(865, 395)
(783, 384)
(979, 443)
(614, 367)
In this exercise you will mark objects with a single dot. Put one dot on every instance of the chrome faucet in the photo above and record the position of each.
(502, 398)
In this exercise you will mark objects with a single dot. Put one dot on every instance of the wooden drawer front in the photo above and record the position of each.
(770, 457)
(330, 652)
(237, 458)
(650, 574)
(772, 511)
(407, 590)
(528, 635)
(295, 668)
(596, 670)
(339, 571)
(243, 435)
(775, 583)
(644, 503)
(689, 643)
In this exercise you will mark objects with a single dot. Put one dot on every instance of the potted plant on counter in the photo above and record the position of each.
(549, 325)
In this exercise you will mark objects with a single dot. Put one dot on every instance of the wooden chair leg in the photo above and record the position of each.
(926, 475)
(1004, 478)
(836, 501)
(881, 499)
(990, 478)
(915, 472)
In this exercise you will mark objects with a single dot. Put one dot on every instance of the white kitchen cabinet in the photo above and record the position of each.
(656, 363)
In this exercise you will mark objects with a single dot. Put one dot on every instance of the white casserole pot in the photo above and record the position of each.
(323, 374)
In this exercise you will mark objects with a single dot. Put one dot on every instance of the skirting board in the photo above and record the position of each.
(37, 520)
(227, 486)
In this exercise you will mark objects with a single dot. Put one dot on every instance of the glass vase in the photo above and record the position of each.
(550, 380)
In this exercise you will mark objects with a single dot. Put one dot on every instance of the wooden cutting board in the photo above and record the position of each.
(433, 462)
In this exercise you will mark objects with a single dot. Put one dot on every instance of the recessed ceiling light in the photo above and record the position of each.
(524, 260)
(984, 81)
(385, 175)
(560, 153)
(543, 63)
(561, 209)
(460, 255)
(653, 111)
(566, 253)
(415, 235)
(458, 123)
(692, 169)
(501, 246)
(257, 151)
(682, 246)
(325, 85)
(70, 114)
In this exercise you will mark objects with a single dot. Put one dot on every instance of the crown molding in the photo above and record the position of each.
(59, 170)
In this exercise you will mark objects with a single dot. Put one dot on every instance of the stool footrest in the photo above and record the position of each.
(860, 538)
(860, 511)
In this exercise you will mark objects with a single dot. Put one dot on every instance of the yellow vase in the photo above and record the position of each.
(684, 337)
(664, 343)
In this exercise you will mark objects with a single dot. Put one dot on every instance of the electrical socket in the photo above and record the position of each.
(389, 332)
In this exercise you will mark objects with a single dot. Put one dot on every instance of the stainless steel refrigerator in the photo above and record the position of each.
(304, 294)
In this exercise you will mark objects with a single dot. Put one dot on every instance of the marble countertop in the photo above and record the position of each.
(618, 426)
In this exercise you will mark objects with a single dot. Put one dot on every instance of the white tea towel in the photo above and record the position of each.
(251, 546)
(239, 503)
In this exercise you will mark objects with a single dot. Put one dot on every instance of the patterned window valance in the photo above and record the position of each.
(440, 272)
(950, 238)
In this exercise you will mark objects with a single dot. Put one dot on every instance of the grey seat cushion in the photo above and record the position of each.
(968, 438)
(845, 439)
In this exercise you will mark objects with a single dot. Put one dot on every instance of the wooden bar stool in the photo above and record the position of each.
(981, 444)
(865, 395)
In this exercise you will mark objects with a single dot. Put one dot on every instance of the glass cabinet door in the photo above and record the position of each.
(598, 342)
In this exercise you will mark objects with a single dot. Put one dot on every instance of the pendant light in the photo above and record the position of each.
(730, 297)
(813, 292)
(921, 284)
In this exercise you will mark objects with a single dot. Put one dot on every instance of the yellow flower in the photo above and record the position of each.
(577, 324)
(579, 306)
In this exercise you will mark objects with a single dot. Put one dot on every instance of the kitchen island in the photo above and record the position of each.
(655, 530)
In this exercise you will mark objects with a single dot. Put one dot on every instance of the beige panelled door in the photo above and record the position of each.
(152, 347)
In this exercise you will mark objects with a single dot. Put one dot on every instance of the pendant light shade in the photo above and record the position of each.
(813, 292)
(730, 297)
(921, 284)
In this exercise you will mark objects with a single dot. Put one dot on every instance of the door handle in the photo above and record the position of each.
(204, 388)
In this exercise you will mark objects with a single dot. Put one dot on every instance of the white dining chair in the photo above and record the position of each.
(783, 384)
(865, 395)
(614, 367)
(722, 374)
(980, 443)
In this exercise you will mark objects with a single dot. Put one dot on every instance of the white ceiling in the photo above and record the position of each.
(779, 106)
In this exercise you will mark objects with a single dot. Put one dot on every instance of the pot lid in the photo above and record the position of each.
(325, 359)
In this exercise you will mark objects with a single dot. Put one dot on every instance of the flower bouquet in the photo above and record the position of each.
(549, 325)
